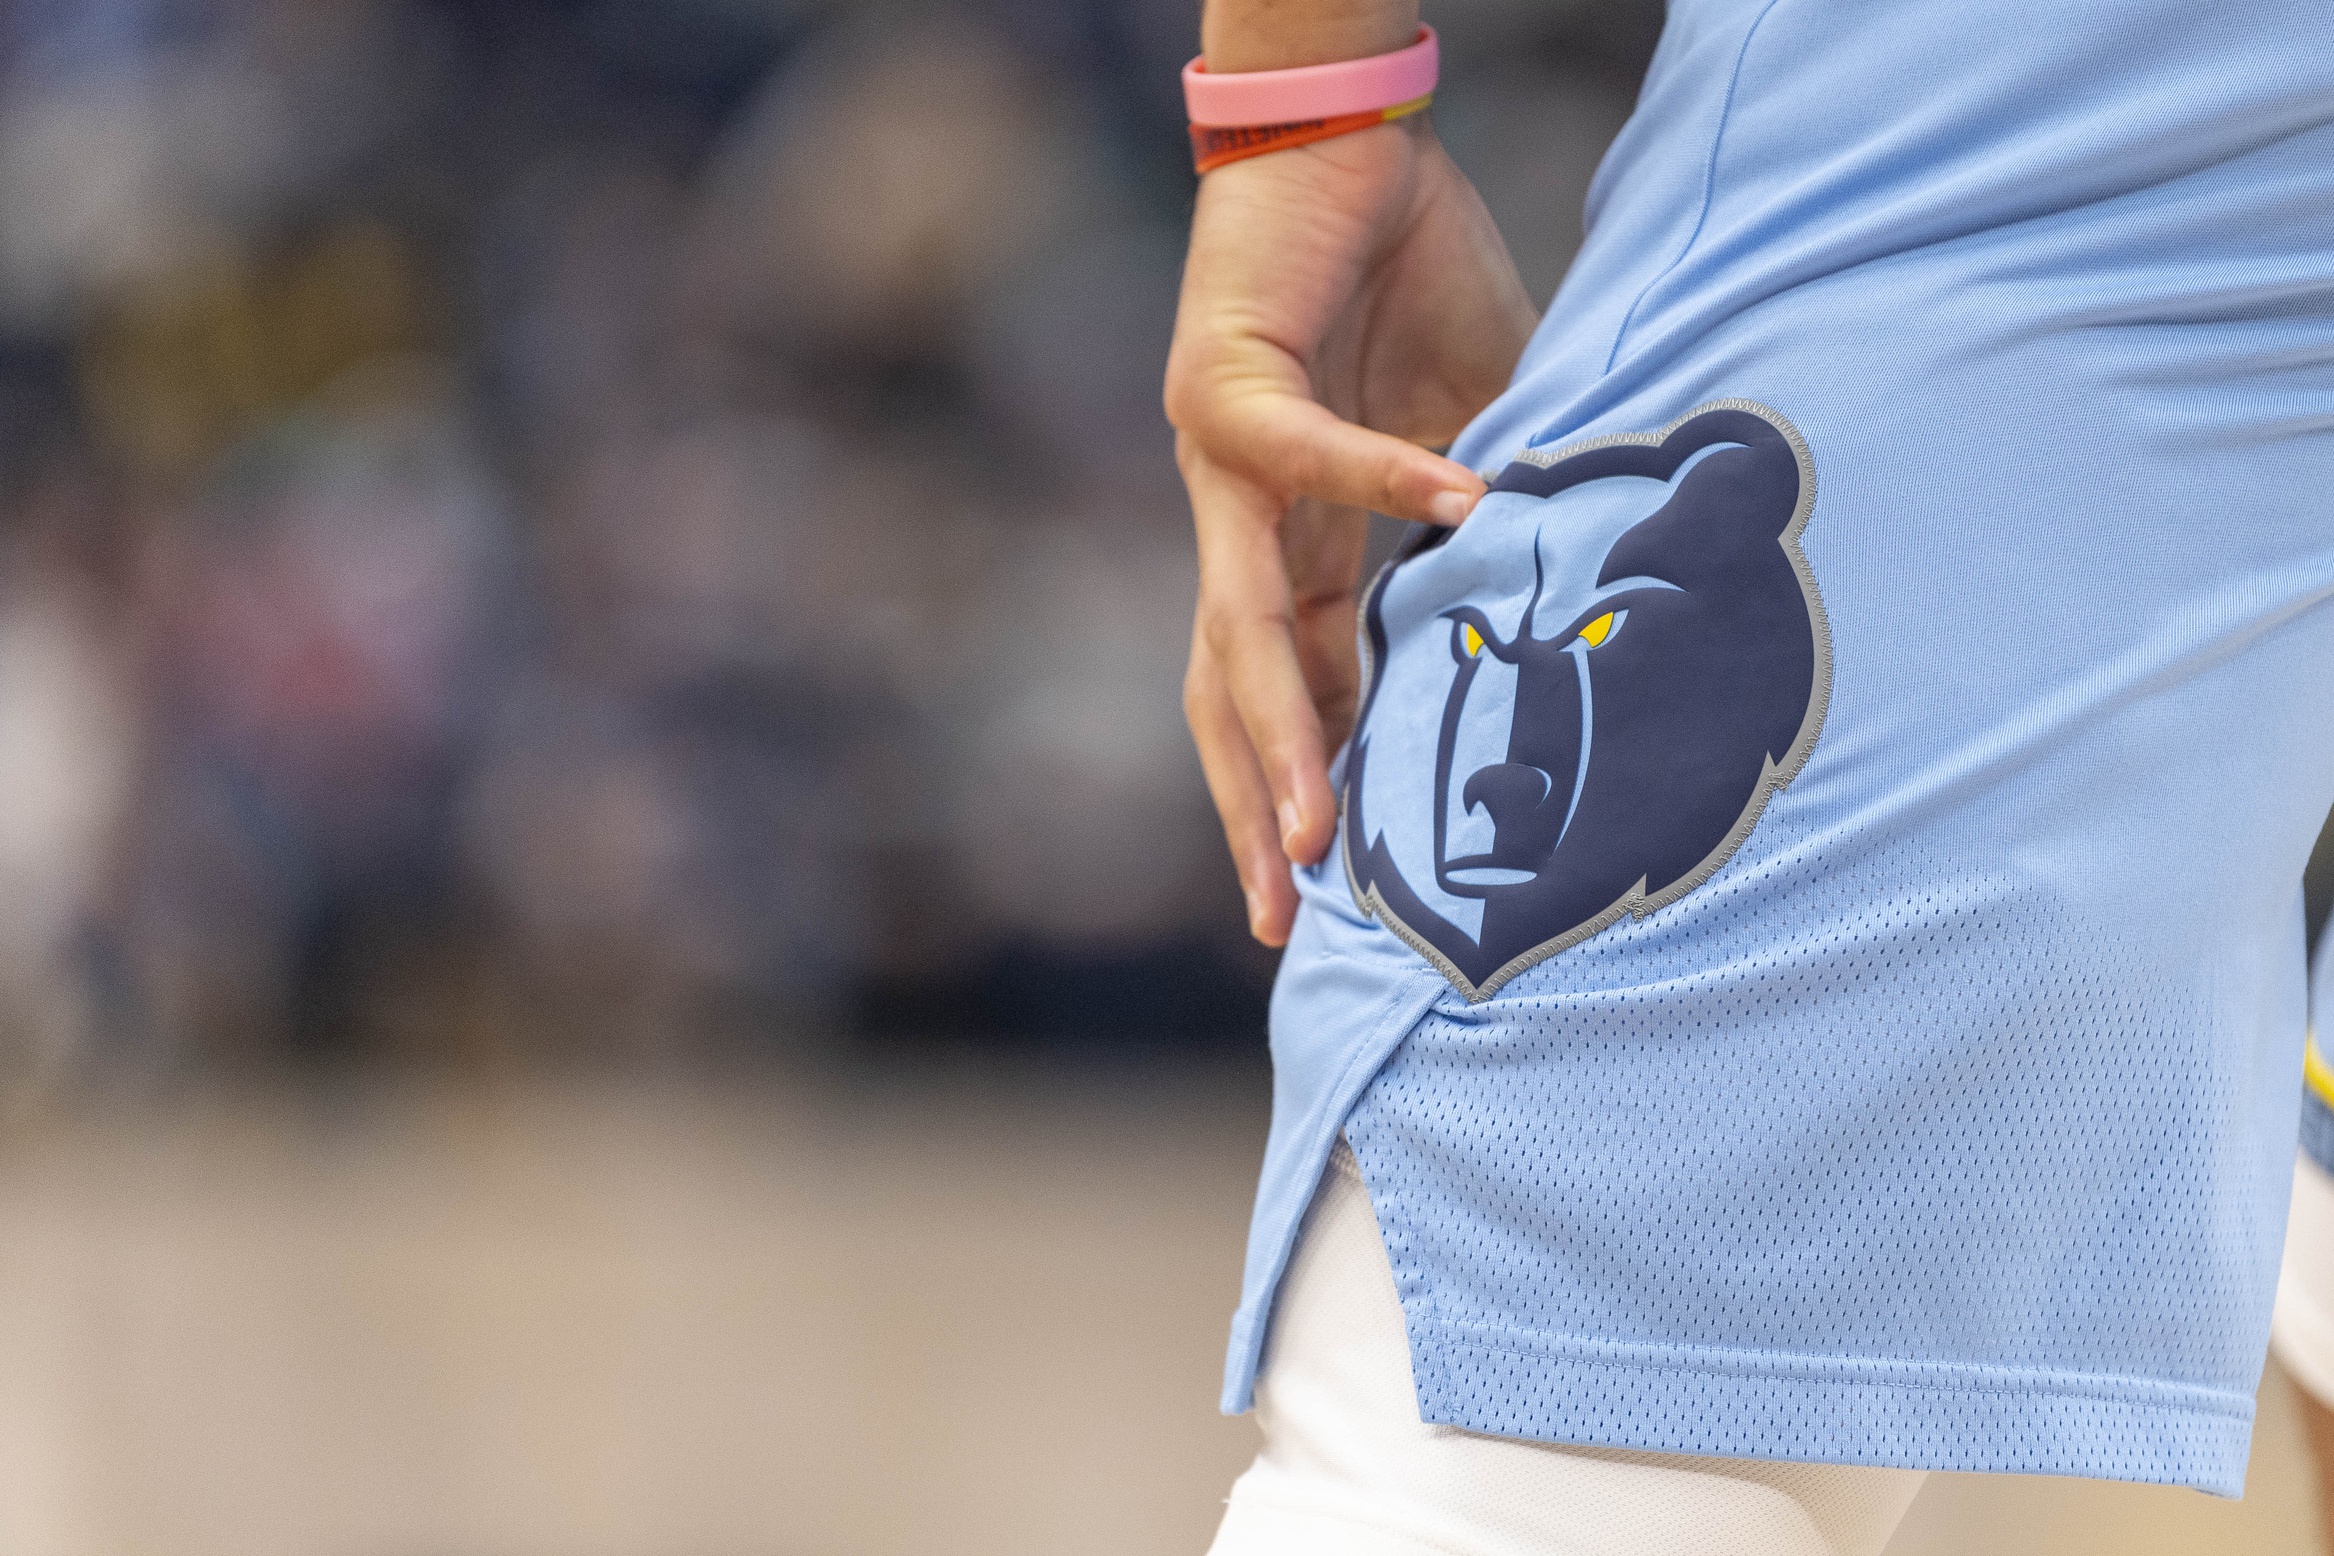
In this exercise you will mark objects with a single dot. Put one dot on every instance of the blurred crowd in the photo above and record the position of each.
(630, 528)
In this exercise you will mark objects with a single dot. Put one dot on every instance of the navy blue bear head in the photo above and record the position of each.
(1648, 730)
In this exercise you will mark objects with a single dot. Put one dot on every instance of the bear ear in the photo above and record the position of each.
(1737, 500)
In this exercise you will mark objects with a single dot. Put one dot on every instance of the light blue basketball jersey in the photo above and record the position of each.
(1813, 963)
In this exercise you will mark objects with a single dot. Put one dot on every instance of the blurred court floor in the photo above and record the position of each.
(830, 1319)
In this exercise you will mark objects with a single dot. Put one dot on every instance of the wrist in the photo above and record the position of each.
(1243, 35)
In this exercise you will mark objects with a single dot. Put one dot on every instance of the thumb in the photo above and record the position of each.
(1300, 447)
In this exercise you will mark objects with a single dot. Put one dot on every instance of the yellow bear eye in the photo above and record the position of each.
(1472, 638)
(1598, 630)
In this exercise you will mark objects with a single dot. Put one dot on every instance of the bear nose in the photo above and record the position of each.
(1509, 791)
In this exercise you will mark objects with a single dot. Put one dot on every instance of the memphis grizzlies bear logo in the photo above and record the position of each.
(1594, 687)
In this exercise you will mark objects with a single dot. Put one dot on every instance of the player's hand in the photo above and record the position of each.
(1344, 304)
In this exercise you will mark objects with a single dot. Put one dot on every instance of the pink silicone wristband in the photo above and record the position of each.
(1311, 91)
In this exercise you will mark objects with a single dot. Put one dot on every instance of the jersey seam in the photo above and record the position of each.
(1709, 188)
(2106, 1389)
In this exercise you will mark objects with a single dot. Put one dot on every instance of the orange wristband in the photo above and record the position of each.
(1213, 145)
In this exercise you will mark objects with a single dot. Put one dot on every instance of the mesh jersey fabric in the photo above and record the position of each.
(1349, 1470)
(1948, 1122)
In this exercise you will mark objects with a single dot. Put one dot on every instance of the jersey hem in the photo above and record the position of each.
(1832, 1410)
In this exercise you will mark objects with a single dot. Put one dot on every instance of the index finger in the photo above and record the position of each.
(1247, 615)
(1294, 443)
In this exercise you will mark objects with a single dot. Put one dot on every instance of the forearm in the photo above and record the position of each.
(1238, 35)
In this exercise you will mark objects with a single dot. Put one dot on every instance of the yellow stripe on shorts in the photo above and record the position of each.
(2317, 1072)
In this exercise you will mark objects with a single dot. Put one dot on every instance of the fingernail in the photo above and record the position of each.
(1255, 914)
(1450, 507)
(1290, 822)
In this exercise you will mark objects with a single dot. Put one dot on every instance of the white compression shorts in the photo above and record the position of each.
(1348, 1469)
(2302, 1331)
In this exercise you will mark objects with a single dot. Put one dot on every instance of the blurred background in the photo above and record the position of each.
(613, 943)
